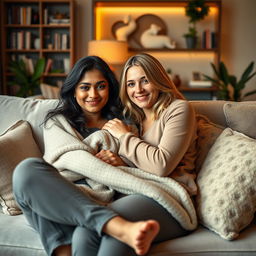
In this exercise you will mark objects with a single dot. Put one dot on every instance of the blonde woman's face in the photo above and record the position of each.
(139, 89)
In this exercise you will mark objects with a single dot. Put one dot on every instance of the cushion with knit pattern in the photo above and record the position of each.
(226, 201)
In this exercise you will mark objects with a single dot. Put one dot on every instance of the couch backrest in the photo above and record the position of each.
(13, 109)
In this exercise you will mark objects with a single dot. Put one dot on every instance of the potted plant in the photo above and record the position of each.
(196, 10)
(27, 82)
(230, 88)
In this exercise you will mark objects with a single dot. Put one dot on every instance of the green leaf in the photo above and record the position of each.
(20, 77)
(26, 81)
(250, 93)
(39, 69)
(223, 75)
(247, 71)
(211, 79)
(233, 81)
(248, 78)
(215, 70)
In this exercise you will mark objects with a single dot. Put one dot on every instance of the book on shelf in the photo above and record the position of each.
(30, 65)
(45, 16)
(20, 40)
(208, 39)
(64, 42)
(28, 40)
(48, 65)
(199, 83)
(61, 41)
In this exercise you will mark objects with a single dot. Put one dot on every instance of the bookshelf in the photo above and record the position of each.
(34, 29)
(170, 16)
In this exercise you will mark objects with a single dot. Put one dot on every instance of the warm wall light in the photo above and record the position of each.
(112, 51)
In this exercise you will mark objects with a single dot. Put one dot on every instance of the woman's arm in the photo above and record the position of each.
(165, 144)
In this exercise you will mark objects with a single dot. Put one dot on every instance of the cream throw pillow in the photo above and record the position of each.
(16, 144)
(226, 201)
(207, 133)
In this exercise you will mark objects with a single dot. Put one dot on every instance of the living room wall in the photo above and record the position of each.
(238, 39)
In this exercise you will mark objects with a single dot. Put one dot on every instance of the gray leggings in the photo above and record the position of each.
(62, 214)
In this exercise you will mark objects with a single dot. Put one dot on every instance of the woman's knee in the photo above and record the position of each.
(25, 173)
(134, 207)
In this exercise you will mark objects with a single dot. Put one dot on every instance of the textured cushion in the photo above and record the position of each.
(16, 144)
(226, 200)
(241, 117)
(207, 133)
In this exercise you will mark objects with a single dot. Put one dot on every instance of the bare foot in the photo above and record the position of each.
(141, 234)
(138, 235)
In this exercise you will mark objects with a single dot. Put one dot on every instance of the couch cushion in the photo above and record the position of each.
(18, 238)
(203, 242)
(13, 109)
(16, 144)
(241, 117)
(207, 133)
(226, 201)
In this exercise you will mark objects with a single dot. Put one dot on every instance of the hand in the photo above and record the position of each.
(109, 157)
(116, 127)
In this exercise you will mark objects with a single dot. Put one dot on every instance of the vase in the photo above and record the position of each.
(191, 42)
(37, 43)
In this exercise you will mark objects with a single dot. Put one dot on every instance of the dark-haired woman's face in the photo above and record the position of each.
(92, 92)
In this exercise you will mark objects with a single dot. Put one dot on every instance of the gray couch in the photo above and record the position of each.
(18, 238)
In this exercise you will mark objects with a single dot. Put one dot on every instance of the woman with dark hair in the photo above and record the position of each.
(65, 217)
(68, 105)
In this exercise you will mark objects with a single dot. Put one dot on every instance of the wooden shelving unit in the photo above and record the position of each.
(34, 29)
(108, 12)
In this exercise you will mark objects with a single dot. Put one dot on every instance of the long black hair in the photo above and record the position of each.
(68, 106)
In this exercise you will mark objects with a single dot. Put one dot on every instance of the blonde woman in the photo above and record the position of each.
(167, 130)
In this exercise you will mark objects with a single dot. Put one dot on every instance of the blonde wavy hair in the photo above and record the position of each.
(158, 77)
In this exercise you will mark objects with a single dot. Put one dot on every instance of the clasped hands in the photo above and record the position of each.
(117, 128)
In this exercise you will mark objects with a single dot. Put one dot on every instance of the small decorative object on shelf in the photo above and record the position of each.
(124, 28)
(59, 18)
(151, 39)
(177, 80)
(196, 10)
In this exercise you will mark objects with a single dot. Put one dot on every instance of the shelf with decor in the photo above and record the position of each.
(36, 29)
(112, 16)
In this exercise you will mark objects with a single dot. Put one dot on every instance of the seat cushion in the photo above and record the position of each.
(204, 242)
(18, 238)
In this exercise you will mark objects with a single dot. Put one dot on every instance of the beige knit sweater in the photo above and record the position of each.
(74, 158)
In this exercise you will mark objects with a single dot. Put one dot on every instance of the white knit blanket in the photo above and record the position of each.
(74, 158)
